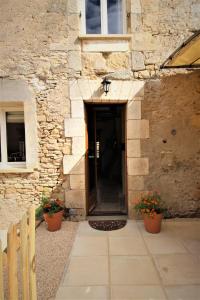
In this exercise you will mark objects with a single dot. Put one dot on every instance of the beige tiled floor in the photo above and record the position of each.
(128, 245)
(131, 264)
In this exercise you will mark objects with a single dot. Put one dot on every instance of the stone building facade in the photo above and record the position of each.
(50, 69)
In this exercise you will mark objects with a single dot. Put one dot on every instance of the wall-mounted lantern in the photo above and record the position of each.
(106, 85)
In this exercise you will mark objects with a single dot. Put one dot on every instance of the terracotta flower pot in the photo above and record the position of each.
(153, 224)
(53, 221)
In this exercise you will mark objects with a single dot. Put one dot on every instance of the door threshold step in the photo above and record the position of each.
(102, 218)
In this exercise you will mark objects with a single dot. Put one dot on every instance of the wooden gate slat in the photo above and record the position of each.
(24, 257)
(1, 273)
(32, 271)
(12, 263)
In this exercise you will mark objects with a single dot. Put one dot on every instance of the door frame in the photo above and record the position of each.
(124, 120)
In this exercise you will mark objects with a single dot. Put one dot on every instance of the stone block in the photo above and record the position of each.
(135, 183)
(85, 89)
(58, 7)
(118, 61)
(145, 74)
(66, 148)
(123, 93)
(153, 6)
(125, 90)
(115, 88)
(79, 168)
(73, 7)
(137, 89)
(137, 129)
(73, 43)
(77, 109)
(144, 41)
(96, 89)
(74, 60)
(74, 90)
(105, 45)
(73, 164)
(31, 134)
(195, 9)
(133, 148)
(136, 22)
(74, 127)
(138, 166)
(137, 61)
(77, 182)
(123, 74)
(73, 22)
(63, 47)
(134, 110)
(75, 199)
(100, 65)
(136, 7)
(14, 90)
(78, 145)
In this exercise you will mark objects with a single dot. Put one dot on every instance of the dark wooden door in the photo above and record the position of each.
(91, 159)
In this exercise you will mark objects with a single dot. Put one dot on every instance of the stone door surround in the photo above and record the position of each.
(90, 91)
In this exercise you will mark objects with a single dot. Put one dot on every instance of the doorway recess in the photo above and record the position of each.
(106, 159)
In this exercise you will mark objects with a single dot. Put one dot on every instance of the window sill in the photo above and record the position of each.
(105, 37)
(105, 43)
(16, 170)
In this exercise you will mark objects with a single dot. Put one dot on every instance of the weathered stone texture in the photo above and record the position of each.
(171, 106)
(33, 49)
(159, 27)
(95, 64)
(39, 44)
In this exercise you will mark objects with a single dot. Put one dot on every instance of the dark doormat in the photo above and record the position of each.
(107, 225)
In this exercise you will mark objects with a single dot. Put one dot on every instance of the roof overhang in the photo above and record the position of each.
(186, 56)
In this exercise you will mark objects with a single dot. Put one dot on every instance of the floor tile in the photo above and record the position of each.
(191, 292)
(87, 271)
(128, 270)
(127, 246)
(164, 245)
(137, 293)
(178, 268)
(86, 246)
(185, 229)
(83, 293)
(130, 229)
(86, 230)
(193, 246)
(134, 273)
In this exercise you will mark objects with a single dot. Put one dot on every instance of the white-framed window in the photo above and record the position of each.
(18, 128)
(103, 16)
(12, 137)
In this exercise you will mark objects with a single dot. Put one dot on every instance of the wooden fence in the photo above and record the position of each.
(20, 244)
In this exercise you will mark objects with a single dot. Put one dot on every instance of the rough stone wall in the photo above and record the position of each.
(171, 97)
(172, 106)
(33, 48)
(158, 27)
(39, 44)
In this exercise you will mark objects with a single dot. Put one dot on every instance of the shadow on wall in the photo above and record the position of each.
(172, 106)
(72, 188)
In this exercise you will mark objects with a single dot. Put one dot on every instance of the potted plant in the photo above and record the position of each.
(151, 208)
(52, 211)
